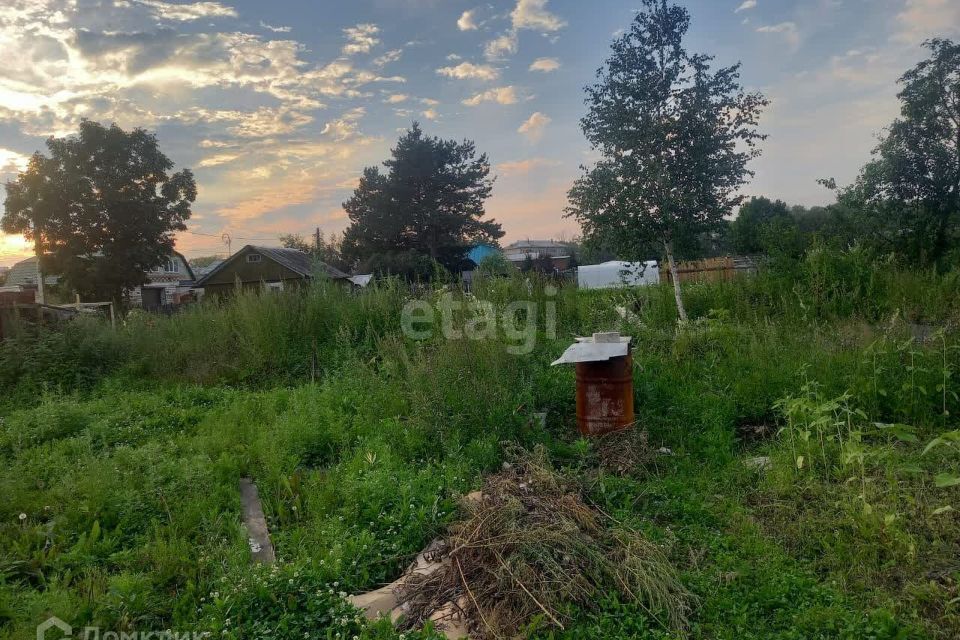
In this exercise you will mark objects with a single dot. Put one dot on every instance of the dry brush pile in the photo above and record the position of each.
(531, 549)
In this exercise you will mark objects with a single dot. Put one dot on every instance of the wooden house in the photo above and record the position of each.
(268, 268)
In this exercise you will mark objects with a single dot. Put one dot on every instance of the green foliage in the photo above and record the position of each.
(410, 266)
(290, 603)
(907, 199)
(494, 265)
(429, 203)
(322, 249)
(123, 451)
(768, 227)
(102, 208)
(675, 138)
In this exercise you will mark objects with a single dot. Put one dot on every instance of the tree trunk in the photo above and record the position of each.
(668, 247)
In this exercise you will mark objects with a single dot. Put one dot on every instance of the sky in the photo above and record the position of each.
(277, 106)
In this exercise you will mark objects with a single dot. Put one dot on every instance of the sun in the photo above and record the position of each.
(14, 248)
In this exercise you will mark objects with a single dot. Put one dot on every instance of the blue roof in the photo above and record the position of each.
(481, 251)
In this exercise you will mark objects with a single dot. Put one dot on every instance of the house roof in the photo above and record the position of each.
(183, 259)
(478, 252)
(293, 259)
(24, 273)
(202, 271)
(530, 244)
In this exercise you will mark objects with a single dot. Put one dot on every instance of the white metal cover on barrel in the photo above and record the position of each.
(597, 348)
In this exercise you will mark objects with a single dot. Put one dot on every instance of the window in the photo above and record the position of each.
(172, 265)
(273, 286)
(254, 257)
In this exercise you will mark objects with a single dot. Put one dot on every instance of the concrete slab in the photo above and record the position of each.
(258, 535)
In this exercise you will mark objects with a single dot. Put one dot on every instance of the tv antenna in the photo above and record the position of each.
(227, 240)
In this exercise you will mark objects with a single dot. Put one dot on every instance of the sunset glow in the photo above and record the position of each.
(13, 248)
(278, 106)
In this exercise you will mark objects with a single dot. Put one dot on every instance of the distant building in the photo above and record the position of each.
(547, 255)
(535, 249)
(200, 272)
(24, 274)
(270, 268)
(472, 260)
(169, 284)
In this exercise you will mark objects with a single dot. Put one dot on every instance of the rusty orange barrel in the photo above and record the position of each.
(605, 395)
(604, 368)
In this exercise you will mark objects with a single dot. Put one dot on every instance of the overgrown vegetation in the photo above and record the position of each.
(530, 552)
(834, 377)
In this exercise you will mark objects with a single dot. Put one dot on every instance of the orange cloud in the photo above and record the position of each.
(13, 249)
(523, 167)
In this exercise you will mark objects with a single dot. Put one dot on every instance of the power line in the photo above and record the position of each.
(215, 235)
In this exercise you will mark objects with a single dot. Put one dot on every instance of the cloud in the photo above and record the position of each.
(396, 98)
(545, 65)
(466, 22)
(923, 19)
(345, 126)
(523, 167)
(260, 123)
(217, 159)
(215, 144)
(12, 162)
(470, 71)
(533, 15)
(746, 5)
(500, 95)
(241, 107)
(360, 39)
(533, 127)
(189, 11)
(390, 56)
(787, 29)
(430, 114)
(277, 174)
(268, 27)
(527, 15)
(502, 46)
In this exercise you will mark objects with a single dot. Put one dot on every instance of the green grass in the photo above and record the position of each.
(123, 451)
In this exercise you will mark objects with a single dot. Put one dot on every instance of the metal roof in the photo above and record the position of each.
(296, 260)
(529, 244)
(293, 259)
(25, 273)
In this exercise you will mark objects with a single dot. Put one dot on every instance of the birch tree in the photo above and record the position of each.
(674, 139)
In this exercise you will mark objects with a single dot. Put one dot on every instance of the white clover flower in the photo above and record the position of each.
(23, 516)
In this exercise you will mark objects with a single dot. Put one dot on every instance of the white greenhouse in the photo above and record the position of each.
(618, 274)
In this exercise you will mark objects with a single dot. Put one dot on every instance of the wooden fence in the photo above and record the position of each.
(708, 270)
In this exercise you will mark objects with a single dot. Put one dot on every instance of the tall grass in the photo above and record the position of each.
(123, 450)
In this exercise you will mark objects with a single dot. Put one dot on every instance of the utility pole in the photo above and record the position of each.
(38, 249)
(316, 241)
